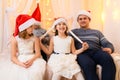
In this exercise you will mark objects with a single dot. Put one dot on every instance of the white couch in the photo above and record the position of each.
(116, 57)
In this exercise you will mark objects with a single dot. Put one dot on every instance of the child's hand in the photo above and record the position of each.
(28, 63)
(42, 37)
(85, 46)
(22, 64)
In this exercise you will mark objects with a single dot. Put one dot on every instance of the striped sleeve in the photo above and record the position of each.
(104, 42)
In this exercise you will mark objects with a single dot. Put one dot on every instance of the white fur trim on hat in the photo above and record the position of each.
(27, 24)
(38, 23)
(58, 21)
(84, 12)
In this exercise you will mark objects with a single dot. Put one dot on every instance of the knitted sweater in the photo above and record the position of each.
(94, 38)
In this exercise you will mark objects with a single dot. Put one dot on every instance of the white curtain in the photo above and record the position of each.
(1, 24)
(112, 22)
(67, 9)
(8, 14)
(105, 16)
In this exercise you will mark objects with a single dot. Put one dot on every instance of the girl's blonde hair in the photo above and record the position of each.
(23, 34)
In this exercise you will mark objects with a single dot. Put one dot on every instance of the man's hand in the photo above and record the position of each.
(108, 50)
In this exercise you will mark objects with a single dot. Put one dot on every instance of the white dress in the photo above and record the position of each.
(62, 61)
(34, 72)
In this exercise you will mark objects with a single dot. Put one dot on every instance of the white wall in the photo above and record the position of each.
(1, 25)
(112, 22)
(110, 25)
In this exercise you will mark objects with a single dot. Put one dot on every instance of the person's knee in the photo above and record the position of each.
(103, 58)
(107, 60)
(86, 63)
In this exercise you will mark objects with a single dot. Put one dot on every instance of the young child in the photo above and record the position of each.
(62, 61)
(27, 64)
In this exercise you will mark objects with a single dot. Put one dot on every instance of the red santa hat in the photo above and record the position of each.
(58, 20)
(84, 12)
(23, 21)
(37, 14)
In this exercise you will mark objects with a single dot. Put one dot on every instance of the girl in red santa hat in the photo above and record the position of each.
(25, 54)
(62, 61)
